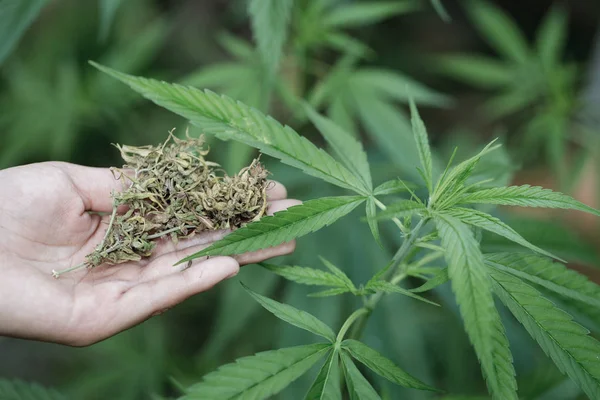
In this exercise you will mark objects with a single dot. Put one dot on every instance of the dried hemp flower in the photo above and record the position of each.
(172, 191)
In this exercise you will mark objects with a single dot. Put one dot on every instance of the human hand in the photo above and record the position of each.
(45, 225)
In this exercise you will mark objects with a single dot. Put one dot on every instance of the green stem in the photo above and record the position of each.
(382, 207)
(395, 279)
(349, 321)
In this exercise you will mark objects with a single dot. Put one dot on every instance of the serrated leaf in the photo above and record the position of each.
(20, 390)
(338, 272)
(452, 182)
(472, 288)
(483, 72)
(282, 227)
(567, 343)
(388, 287)
(358, 387)
(371, 213)
(525, 196)
(383, 366)
(551, 36)
(400, 208)
(499, 30)
(307, 276)
(330, 292)
(349, 150)
(231, 120)
(565, 282)
(492, 224)
(393, 186)
(347, 44)
(327, 383)
(422, 141)
(439, 278)
(258, 376)
(294, 316)
(270, 19)
(15, 17)
(358, 14)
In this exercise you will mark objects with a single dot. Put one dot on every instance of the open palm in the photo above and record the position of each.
(46, 224)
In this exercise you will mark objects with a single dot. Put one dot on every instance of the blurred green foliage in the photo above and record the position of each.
(54, 106)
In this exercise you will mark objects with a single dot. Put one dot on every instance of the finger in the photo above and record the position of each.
(280, 205)
(155, 296)
(94, 185)
(265, 254)
(276, 191)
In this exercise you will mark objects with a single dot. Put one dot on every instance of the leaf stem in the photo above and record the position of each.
(382, 207)
(393, 277)
(349, 321)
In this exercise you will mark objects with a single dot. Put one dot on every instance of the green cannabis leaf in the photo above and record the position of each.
(401, 208)
(472, 287)
(388, 287)
(258, 376)
(439, 278)
(349, 150)
(20, 390)
(282, 227)
(327, 383)
(525, 196)
(358, 387)
(382, 366)
(556, 278)
(108, 10)
(311, 276)
(393, 186)
(228, 119)
(567, 343)
(420, 135)
(492, 224)
(292, 315)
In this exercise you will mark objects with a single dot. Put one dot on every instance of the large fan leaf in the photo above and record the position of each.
(258, 376)
(525, 196)
(348, 149)
(231, 120)
(565, 282)
(382, 366)
(19, 390)
(358, 387)
(294, 316)
(282, 227)
(551, 36)
(270, 20)
(472, 287)
(327, 383)
(489, 223)
(573, 351)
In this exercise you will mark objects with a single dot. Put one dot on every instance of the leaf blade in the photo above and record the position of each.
(294, 316)
(282, 227)
(492, 224)
(567, 343)
(400, 209)
(349, 150)
(15, 17)
(383, 366)
(258, 376)
(231, 120)
(358, 387)
(472, 288)
(306, 276)
(326, 385)
(525, 196)
(422, 141)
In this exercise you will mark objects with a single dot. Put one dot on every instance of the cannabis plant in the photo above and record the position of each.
(444, 222)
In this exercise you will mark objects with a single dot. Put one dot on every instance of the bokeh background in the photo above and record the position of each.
(527, 72)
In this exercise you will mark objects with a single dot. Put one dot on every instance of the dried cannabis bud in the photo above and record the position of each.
(171, 190)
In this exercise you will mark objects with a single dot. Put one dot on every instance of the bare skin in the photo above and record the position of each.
(45, 225)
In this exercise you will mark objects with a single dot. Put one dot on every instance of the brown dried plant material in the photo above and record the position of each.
(172, 191)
